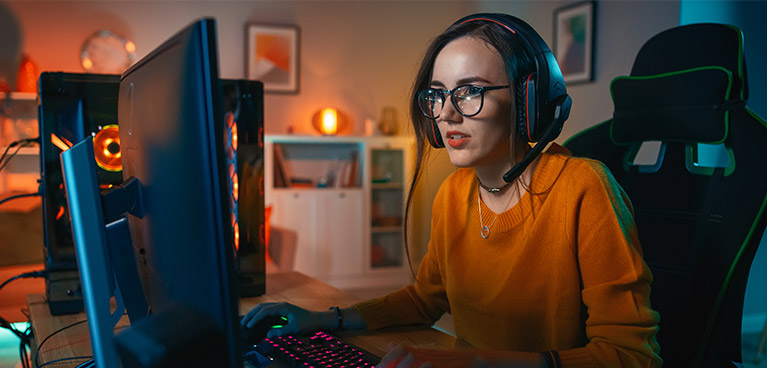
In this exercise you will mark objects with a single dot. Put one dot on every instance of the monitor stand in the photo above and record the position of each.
(104, 255)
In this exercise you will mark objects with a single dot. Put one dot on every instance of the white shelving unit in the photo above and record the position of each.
(18, 120)
(344, 196)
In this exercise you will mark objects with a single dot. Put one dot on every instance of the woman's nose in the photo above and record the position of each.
(449, 112)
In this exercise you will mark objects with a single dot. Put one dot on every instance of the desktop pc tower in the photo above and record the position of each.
(244, 138)
(73, 106)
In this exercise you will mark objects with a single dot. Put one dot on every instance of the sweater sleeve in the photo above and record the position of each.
(422, 303)
(621, 326)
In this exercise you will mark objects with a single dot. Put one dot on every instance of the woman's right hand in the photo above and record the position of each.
(300, 320)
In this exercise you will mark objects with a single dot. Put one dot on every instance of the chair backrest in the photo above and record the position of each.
(699, 226)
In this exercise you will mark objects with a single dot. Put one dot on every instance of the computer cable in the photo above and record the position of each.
(21, 143)
(25, 275)
(18, 196)
(40, 346)
(87, 363)
(24, 341)
(23, 336)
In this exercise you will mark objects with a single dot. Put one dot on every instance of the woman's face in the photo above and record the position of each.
(483, 139)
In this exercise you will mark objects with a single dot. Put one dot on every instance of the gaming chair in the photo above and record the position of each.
(699, 226)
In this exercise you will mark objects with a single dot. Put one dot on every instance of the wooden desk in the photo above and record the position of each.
(290, 287)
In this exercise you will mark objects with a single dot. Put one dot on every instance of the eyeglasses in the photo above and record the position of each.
(467, 99)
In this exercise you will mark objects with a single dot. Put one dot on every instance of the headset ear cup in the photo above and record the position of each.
(527, 125)
(434, 136)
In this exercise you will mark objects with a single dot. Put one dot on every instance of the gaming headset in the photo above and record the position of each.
(541, 98)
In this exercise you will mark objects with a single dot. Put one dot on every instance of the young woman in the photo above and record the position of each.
(544, 271)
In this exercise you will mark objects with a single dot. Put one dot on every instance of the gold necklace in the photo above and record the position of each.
(485, 230)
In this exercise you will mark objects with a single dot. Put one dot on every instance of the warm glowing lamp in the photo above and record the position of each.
(329, 121)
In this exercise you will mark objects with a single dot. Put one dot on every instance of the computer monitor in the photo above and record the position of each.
(193, 195)
(172, 134)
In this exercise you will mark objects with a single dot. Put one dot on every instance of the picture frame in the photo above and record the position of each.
(574, 41)
(273, 56)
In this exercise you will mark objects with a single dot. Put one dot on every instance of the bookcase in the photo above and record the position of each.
(344, 197)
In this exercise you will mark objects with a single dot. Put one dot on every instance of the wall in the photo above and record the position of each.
(353, 55)
(749, 16)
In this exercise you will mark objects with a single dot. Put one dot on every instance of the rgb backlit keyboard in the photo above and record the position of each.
(320, 350)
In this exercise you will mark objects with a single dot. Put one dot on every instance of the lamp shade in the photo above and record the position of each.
(329, 121)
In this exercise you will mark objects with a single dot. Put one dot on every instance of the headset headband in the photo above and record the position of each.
(490, 20)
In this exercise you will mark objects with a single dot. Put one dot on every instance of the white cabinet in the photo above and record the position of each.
(324, 250)
(344, 197)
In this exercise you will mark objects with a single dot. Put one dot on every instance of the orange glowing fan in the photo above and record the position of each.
(106, 147)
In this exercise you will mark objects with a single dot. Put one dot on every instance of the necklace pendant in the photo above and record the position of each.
(485, 232)
(493, 190)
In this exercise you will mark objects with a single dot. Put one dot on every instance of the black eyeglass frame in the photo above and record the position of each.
(445, 92)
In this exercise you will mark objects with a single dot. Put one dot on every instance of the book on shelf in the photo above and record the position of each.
(301, 183)
(347, 172)
(352, 179)
(281, 176)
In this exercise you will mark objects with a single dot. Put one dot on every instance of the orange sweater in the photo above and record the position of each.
(561, 270)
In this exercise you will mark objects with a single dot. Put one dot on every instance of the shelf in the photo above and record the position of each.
(385, 229)
(24, 151)
(20, 96)
(314, 190)
(390, 186)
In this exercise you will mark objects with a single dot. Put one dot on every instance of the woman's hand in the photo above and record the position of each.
(400, 356)
(300, 321)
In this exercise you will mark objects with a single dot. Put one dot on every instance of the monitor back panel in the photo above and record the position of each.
(72, 106)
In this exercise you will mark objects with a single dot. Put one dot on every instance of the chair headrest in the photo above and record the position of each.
(686, 106)
(693, 46)
(683, 84)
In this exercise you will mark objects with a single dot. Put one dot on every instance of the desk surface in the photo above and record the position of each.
(290, 287)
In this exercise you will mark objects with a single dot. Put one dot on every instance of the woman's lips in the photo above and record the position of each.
(456, 139)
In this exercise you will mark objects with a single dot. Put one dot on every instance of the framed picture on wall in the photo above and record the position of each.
(272, 56)
(574, 41)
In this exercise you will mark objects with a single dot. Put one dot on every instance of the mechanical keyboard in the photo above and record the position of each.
(320, 350)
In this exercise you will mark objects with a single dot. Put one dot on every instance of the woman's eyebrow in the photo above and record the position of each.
(436, 83)
(467, 80)
(473, 79)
